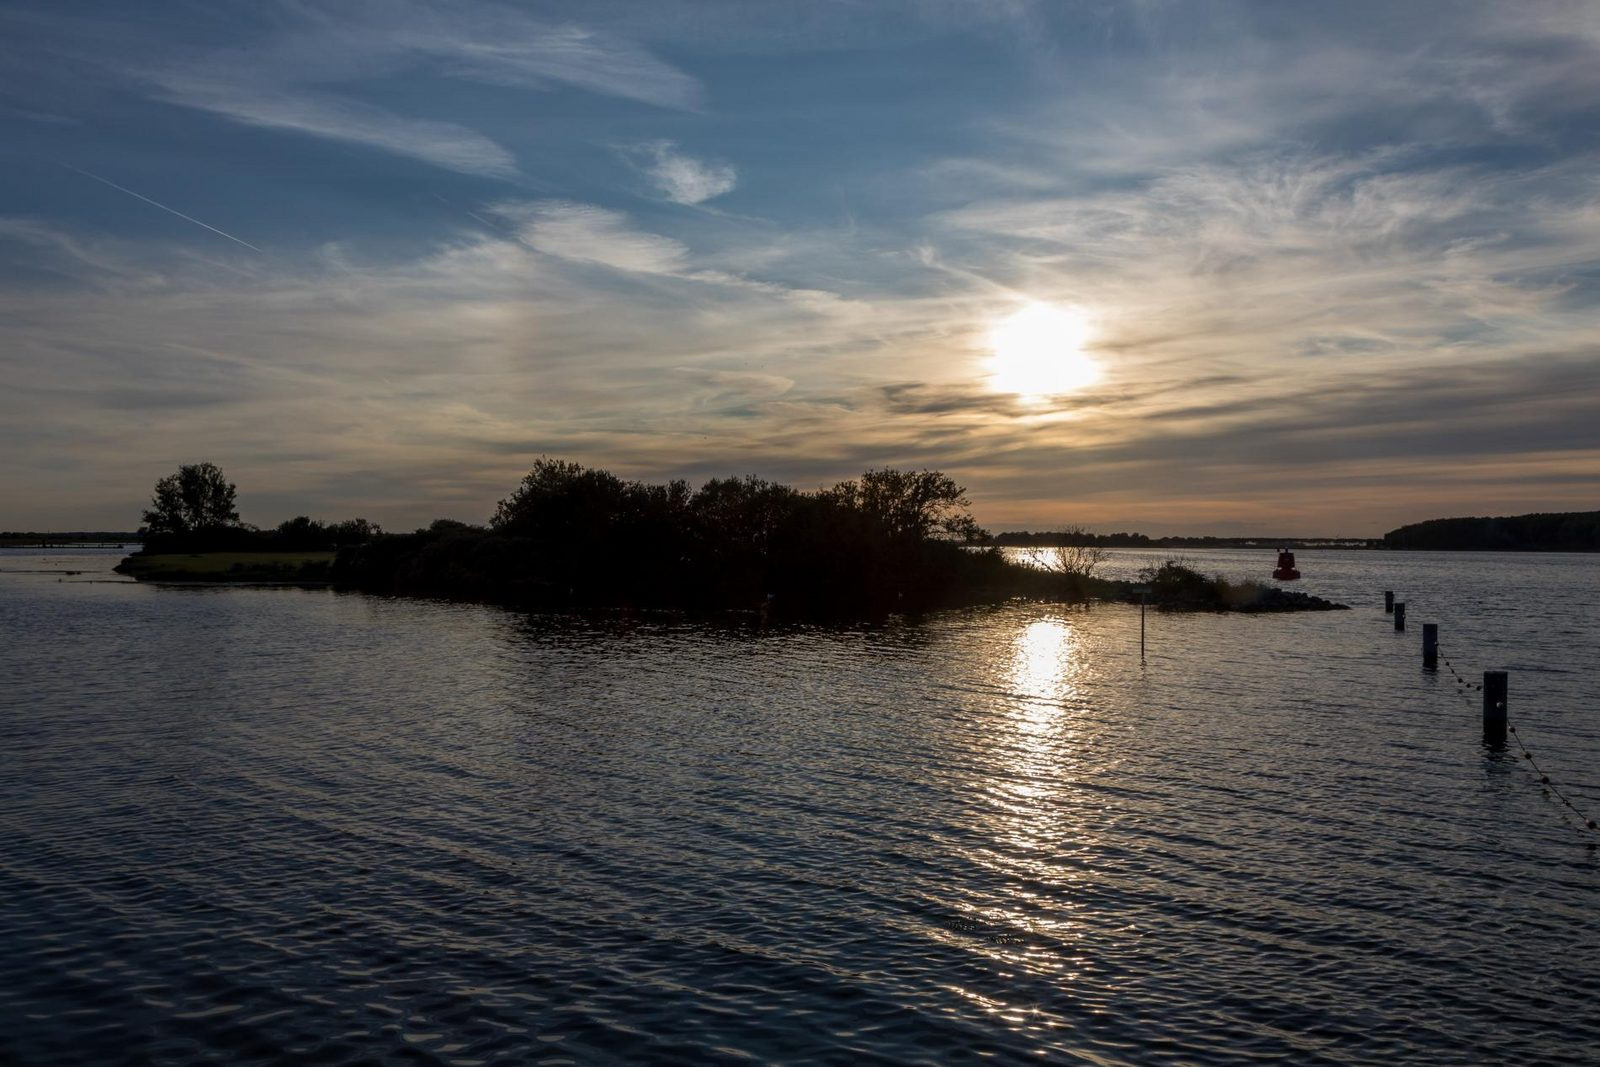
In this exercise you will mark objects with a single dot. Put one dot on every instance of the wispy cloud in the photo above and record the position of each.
(461, 365)
(511, 48)
(443, 144)
(445, 375)
(68, 255)
(589, 234)
(291, 77)
(681, 178)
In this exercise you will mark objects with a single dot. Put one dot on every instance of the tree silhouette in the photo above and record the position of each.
(912, 505)
(195, 498)
(571, 536)
(559, 499)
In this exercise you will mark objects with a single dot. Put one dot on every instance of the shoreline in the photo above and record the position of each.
(1173, 588)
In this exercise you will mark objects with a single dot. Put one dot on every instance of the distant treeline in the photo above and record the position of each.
(57, 537)
(1078, 537)
(576, 537)
(1561, 531)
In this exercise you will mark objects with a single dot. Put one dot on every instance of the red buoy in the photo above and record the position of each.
(1286, 571)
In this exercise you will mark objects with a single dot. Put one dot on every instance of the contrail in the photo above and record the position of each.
(163, 207)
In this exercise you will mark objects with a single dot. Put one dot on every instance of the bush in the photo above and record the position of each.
(1174, 586)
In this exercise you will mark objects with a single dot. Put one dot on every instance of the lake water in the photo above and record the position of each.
(281, 825)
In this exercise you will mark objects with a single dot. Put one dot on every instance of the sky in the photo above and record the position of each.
(1328, 268)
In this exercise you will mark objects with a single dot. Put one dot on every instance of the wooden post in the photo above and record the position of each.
(1430, 646)
(1142, 598)
(1388, 602)
(1399, 615)
(1494, 707)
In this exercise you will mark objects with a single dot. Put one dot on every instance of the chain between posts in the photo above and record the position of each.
(1549, 786)
(1460, 681)
(1463, 688)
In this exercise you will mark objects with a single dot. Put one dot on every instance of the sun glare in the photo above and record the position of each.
(1038, 353)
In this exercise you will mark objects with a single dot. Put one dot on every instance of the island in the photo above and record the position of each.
(571, 537)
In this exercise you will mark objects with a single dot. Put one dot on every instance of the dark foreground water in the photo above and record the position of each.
(270, 825)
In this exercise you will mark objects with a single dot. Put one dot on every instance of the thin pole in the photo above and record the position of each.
(1142, 597)
(1430, 646)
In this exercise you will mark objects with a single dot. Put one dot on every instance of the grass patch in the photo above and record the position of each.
(230, 567)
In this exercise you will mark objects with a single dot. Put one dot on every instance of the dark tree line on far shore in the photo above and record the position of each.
(27, 538)
(1077, 536)
(1562, 531)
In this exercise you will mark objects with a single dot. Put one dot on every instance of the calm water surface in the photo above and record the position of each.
(279, 825)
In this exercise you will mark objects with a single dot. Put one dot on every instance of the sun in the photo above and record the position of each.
(1038, 353)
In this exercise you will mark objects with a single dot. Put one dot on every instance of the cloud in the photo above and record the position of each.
(590, 234)
(68, 254)
(585, 233)
(310, 68)
(444, 144)
(442, 377)
(1401, 257)
(742, 390)
(681, 178)
(444, 374)
(511, 48)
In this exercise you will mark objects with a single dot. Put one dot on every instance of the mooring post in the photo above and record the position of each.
(1388, 602)
(1399, 615)
(1430, 646)
(1494, 707)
